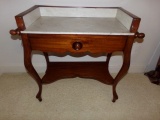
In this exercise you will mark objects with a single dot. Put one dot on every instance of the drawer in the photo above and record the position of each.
(77, 43)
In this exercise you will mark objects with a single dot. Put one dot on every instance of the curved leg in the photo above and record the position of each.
(107, 65)
(29, 66)
(47, 58)
(125, 66)
(120, 75)
(108, 59)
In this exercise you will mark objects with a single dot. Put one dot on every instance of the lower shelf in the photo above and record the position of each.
(93, 70)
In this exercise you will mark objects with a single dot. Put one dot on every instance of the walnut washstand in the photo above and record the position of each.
(77, 31)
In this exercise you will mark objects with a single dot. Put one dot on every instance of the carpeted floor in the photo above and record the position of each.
(78, 99)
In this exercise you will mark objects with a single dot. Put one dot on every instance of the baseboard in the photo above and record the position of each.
(41, 69)
(18, 69)
(132, 69)
(11, 69)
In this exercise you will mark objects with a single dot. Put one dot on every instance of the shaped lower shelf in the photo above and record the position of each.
(94, 70)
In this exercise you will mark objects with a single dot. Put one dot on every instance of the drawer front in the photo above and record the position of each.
(77, 43)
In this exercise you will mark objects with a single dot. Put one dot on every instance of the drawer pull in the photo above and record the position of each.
(77, 45)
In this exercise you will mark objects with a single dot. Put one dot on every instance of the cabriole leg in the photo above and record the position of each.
(29, 66)
(115, 96)
(47, 58)
(108, 59)
(126, 63)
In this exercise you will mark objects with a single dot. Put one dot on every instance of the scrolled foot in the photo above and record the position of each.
(38, 96)
(115, 96)
(114, 99)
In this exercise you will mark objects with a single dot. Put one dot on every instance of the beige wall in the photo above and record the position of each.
(11, 51)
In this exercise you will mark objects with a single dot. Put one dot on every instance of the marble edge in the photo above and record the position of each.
(80, 33)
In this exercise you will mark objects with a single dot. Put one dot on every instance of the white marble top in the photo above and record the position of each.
(77, 25)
